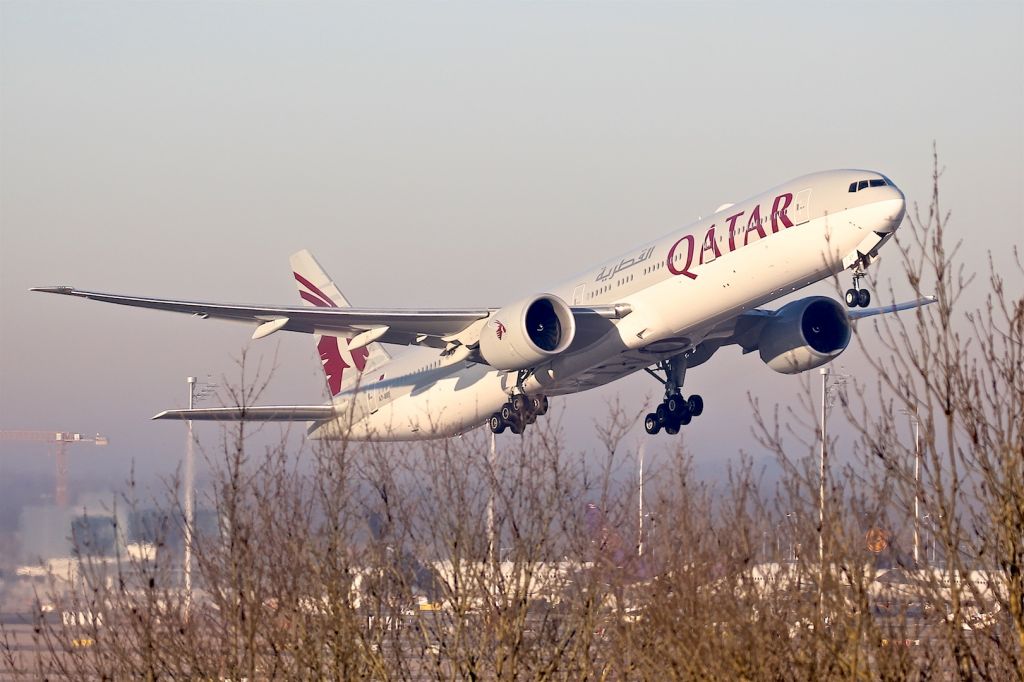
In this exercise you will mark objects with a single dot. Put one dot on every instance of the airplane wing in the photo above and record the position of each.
(894, 308)
(270, 413)
(428, 327)
(745, 329)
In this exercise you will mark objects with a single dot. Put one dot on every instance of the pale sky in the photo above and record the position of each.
(441, 155)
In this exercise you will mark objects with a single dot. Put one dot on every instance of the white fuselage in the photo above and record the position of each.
(679, 288)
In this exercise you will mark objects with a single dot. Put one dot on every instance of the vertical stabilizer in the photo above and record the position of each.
(344, 369)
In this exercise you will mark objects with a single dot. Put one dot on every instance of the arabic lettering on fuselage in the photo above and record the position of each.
(607, 272)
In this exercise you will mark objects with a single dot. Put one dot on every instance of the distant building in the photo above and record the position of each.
(45, 532)
(93, 536)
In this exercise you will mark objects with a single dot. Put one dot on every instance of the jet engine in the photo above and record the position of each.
(804, 334)
(524, 334)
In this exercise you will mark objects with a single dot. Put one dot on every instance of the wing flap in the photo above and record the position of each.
(268, 413)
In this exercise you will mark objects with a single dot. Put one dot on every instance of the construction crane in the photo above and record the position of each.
(59, 440)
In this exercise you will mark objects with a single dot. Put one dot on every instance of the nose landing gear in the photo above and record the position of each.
(675, 411)
(857, 297)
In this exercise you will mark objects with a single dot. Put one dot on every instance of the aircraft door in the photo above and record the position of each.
(802, 207)
(376, 395)
(577, 294)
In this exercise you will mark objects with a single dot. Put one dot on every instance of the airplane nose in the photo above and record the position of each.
(891, 210)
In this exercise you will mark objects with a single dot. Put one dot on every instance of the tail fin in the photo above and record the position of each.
(317, 289)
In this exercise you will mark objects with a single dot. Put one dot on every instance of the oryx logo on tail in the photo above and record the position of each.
(313, 294)
(335, 358)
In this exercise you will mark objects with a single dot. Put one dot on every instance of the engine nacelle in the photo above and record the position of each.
(804, 334)
(525, 333)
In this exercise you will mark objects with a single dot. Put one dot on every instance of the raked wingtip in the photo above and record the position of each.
(60, 289)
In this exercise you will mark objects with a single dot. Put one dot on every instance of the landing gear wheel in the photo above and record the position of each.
(496, 423)
(661, 414)
(674, 404)
(852, 298)
(863, 298)
(520, 411)
(675, 411)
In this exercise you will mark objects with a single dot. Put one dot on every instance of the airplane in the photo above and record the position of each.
(664, 308)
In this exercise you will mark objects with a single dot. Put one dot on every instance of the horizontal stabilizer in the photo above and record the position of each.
(269, 413)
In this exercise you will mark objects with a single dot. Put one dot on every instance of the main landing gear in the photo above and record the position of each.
(520, 411)
(857, 297)
(675, 411)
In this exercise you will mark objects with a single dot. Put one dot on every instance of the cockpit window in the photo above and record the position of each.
(864, 184)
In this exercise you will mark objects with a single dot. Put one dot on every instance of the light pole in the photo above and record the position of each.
(827, 393)
(189, 497)
(917, 483)
(931, 532)
(640, 542)
(196, 392)
(789, 536)
(492, 541)
(821, 468)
